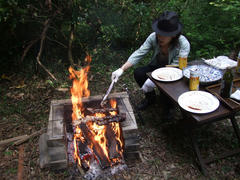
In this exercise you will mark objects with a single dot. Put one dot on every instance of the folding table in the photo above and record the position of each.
(192, 121)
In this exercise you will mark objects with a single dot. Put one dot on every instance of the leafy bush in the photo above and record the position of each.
(110, 29)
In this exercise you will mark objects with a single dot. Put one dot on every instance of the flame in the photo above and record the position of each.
(100, 115)
(113, 113)
(100, 137)
(113, 103)
(79, 89)
(117, 131)
(78, 134)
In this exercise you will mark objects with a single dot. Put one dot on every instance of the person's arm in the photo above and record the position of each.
(126, 65)
(116, 74)
(135, 57)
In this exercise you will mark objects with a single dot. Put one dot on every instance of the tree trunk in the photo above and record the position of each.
(70, 58)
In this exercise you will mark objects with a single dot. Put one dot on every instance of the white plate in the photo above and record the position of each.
(167, 74)
(198, 102)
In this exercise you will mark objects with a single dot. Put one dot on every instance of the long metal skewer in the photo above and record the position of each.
(107, 93)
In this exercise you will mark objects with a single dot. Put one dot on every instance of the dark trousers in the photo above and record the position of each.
(140, 76)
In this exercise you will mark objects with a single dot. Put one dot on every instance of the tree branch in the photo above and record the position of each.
(56, 42)
(43, 37)
(70, 58)
(27, 48)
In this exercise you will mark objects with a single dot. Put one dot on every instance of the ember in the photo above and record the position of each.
(97, 134)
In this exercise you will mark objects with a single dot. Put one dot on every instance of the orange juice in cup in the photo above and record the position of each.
(182, 62)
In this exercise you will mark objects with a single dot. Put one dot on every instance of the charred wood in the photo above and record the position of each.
(80, 169)
(105, 110)
(112, 143)
(84, 165)
(102, 159)
(83, 148)
(101, 120)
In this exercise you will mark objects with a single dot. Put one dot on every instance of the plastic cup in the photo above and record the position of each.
(182, 62)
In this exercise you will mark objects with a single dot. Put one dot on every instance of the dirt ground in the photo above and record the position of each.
(165, 150)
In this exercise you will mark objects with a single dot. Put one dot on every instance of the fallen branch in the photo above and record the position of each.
(7, 141)
(20, 141)
(62, 89)
(20, 163)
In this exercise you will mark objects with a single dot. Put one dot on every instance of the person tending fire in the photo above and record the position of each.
(168, 46)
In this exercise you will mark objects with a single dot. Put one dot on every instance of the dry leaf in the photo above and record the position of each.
(5, 77)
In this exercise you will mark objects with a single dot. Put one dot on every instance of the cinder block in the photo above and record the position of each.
(52, 147)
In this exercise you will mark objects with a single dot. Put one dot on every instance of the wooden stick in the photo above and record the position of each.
(20, 141)
(172, 65)
(20, 163)
(7, 141)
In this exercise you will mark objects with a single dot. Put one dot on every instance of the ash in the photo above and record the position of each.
(95, 172)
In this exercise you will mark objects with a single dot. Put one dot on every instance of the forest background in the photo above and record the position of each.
(106, 30)
(41, 39)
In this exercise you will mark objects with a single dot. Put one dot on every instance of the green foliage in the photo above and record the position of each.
(109, 29)
(8, 152)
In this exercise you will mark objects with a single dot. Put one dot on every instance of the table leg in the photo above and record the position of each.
(197, 153)
(236, 128)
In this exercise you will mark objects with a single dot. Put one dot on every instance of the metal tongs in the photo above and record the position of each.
(108, 92)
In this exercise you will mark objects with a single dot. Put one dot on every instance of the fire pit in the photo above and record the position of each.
(92, 139)
(54, 144)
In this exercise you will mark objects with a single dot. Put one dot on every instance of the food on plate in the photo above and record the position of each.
(194, 108)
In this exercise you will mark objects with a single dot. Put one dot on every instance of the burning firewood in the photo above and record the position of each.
(83, 150)
(100, 120)
(105, 110)
(112, 143)
(103, 160)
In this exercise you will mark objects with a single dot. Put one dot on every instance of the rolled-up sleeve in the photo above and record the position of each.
(184, 47)
(144, 49)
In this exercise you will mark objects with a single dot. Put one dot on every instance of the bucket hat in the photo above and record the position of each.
(167, 24)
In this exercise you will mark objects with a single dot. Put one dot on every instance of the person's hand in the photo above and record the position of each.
(116, 74)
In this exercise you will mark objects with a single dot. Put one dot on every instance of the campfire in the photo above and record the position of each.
(82, 136)
(96, 136)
